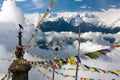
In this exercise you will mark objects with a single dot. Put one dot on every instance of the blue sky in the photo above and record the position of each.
(31, 6)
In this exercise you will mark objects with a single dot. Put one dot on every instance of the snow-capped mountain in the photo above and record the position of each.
(116, 22)
(97, 19)
(75, 18)
(88, 20)
(68, 22)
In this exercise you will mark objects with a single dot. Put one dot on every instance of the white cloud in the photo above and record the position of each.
(38, 3)
(4, 53)
(108, 16)
(20, 0)
(103, 9)
(95, 37)
(113, 6)
(15, 14)
(16, 0)
(10, 17)
(86, 46)
(84, 6)
(116, 36)
(79, 0)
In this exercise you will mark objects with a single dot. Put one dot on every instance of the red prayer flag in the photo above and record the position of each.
(80, 78)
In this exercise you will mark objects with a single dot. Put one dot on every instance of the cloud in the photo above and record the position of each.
(116, 36)
(4, 53)
(20, 0)
(84, 6)
(86, 46)
(112, 6)
(79, 0)
(38, 3)
(96, 37)
(9, 23)
(103, 9)
(15, 14)
(107, 18)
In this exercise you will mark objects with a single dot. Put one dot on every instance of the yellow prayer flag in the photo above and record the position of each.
(60, 62)
(60, 41)
(116, 71)
(92, 69)
(86, 79)
(32, 46)
(40, 23)
(97, 53)
(47, 44)
(45, 14)
(37, 64)
(71, 60)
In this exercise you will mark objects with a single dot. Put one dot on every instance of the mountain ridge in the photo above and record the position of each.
(67, 21)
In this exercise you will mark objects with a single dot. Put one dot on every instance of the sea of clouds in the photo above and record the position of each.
(8, 41)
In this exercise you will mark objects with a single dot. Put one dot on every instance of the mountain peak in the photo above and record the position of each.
(87, 15)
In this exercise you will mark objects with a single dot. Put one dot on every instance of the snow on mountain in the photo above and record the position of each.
(109, 17)
(106, 19)
(116, 22)
(75, 18)
(65, 21)
(103, 19)
(90, 18)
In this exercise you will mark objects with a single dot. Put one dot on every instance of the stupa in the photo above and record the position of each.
(19, 70)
